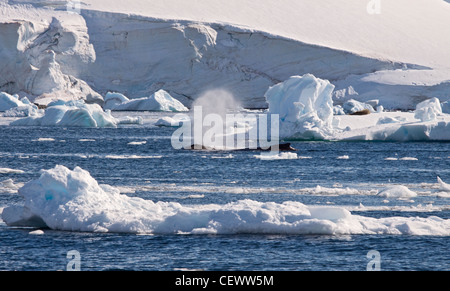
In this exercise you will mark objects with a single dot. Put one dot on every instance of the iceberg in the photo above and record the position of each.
(443, 186)
(13, 107)
(72, 200)
(397, 191)
(428, 110)
(167, 122)
(158, 101)
(305, 107)
(8, 101)
(75, 114)
(113, 99)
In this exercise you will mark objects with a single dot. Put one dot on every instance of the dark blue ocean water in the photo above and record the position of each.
(155, 171)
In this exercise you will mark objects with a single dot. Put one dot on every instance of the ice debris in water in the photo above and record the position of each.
(72, 200)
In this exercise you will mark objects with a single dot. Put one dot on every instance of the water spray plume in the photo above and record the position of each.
(218, 101)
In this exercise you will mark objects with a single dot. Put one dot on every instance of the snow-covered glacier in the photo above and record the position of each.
(136, 48)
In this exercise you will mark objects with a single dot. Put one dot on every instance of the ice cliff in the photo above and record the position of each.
(136, 48)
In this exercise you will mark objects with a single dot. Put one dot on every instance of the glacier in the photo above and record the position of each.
(187, 48)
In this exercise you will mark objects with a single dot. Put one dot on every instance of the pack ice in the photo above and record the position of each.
(72, 200)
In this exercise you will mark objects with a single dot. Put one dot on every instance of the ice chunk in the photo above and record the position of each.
(352, 106)
(159, 101)
(13, 107)
(168, 122)
(8, 186)
(114, 99)
(23, 111)
(338, 110)
(10, 171)
(269, 156)
(443, 186)
(305, 106)
(137, 143)
(446, 107)
(8, 101)
(397, 191)
(75, 114)
(428, 110)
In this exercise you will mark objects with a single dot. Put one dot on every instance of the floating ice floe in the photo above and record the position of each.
(137, 143)
(159, 101)
(269, 156)
(8, 186)
(75, 114)
(169, 122)
(36, 232)
(443, 186)
(63, 199)
(397, 191)
(10, 171)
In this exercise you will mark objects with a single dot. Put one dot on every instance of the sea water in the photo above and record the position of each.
(140, 161)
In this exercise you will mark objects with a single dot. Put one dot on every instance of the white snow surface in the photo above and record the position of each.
(138, 47)
(72, 200)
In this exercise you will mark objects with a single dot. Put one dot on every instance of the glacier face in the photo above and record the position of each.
(40, 54)
(48, 53)
(188, 58)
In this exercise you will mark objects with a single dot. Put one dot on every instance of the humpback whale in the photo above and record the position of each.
(285, 147)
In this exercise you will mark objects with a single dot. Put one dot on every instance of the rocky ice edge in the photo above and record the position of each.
(63, 199)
